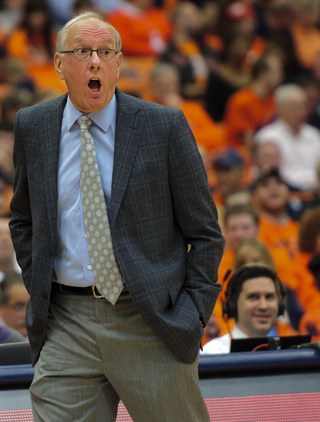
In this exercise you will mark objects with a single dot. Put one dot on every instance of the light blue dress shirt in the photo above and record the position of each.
(72, 263)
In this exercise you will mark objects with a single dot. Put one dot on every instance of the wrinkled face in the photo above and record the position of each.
(240, 227)
(13, 312)
(91, 83)
(257, 306)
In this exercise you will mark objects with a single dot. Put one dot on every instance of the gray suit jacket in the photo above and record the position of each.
(160, 203)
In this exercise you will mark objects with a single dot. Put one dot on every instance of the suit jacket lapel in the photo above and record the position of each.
(50, 155)
(128, 134)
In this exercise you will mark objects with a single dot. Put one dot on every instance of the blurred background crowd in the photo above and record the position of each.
(246, 73)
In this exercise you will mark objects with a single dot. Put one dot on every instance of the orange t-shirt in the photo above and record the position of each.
(282, 243)
(143, 33)
(245, 111)
(280, 236)
(285, 329)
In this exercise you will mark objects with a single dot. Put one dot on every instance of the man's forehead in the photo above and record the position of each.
(257, 284)
(90, 28)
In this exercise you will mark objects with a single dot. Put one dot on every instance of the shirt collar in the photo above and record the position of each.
(237, 333)
(102, 118)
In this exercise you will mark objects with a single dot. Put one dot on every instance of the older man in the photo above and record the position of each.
(109, 193)
(297, 141)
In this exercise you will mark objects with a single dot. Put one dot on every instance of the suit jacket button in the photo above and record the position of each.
(44, 296)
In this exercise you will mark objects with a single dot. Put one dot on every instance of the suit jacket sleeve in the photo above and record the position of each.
(196, 215)
(21, 223)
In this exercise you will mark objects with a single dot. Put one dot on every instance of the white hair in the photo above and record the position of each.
(63, 33)
(284, 92)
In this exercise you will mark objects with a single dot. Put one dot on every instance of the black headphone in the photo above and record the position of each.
(235, 284)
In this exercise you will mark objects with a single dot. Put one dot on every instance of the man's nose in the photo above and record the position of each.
(94, 60)
(263, 303)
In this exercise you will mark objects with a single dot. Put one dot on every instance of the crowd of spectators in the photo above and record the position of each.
(246, 73)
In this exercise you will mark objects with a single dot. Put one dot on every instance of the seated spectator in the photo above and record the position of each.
(250, 108)
(254, 251)
(145, 29)
(265, 156)
(13, 303)
(298, 142)
(188, 51)
(250, 251)
(277, 230)
(229, 174)
(240, 222)
(165, 90)
(254, 299)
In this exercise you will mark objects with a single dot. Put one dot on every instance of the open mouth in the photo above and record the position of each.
(94, 85)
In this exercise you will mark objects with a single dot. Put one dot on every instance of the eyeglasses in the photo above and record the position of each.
(84, 54)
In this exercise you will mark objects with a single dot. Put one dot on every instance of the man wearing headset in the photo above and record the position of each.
(254, 299)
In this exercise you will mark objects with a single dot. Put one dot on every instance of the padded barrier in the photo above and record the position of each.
(259, 361)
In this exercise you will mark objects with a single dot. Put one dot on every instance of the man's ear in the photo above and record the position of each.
(119, 60)
(58, 65)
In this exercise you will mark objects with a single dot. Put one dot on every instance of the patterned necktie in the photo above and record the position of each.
(105, 269)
